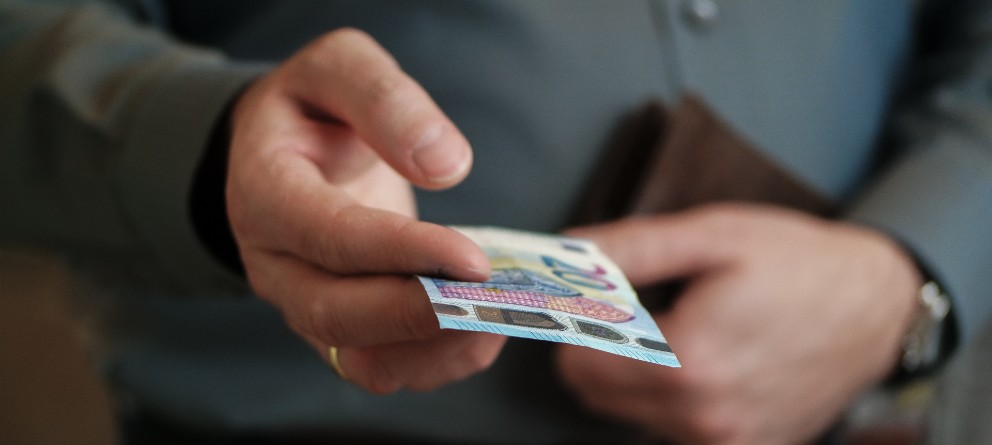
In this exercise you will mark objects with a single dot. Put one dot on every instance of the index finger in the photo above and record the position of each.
(346, 311)
(303, 216)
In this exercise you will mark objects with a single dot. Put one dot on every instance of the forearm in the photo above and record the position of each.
(104, 125)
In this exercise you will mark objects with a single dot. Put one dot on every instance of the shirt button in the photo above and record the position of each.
(701, 13)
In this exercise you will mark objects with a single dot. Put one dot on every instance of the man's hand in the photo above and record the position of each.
(784, 320)
(325, 220)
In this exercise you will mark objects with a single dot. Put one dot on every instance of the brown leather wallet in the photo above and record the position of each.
(665, 161)
(662, 161)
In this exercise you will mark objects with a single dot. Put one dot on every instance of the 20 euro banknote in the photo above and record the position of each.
(551, 288)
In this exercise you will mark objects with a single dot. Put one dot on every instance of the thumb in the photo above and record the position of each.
(347, 75)
(650, 250)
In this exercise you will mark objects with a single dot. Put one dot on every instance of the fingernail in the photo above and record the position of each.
(462, 273)
(439, 158)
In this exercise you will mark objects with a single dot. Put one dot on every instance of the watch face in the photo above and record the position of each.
(922, 346)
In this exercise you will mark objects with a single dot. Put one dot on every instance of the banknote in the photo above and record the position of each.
(551, 288)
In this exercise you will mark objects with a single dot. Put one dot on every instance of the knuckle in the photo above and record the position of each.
(385, 94)
(259, 276)
(382, 380)
(325, 245)
(413, 325)
(322, 246)
(385, 87)
(323, 320)
(479, 359)
(413, 322)
(382, 386)
(258, 285)
(693, 376)
(256, 276)
(718, 380)
(712, 426)
(709, 419)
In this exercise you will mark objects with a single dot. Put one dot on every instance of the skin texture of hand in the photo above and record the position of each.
(784, 320)
(325, 220)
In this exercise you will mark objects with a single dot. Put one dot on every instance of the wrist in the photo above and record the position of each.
(207, 202)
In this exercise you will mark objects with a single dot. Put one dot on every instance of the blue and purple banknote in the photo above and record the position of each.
(551, 288)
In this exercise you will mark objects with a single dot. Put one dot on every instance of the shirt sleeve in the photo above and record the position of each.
(104, 122)
(936, 196)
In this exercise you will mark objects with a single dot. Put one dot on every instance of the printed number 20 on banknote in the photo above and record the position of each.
(550, 288)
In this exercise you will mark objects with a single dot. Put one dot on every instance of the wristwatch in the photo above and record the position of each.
(926, 343)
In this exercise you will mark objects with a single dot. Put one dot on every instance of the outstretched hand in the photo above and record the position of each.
(784, 320)
(321, 153)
